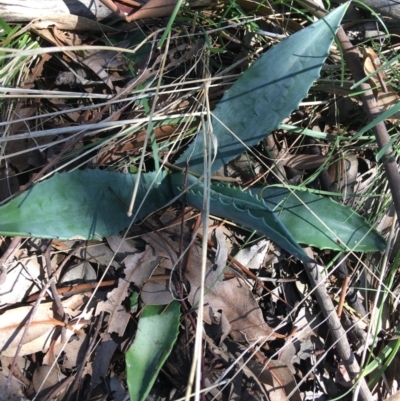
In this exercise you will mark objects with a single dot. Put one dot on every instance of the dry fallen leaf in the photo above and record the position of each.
(70, 22)
(253, 256)
(303, 161)
(14, 391)
(39, 335)
(232, 297)
(277, 379)
(20, 282)
(13, 321)
(154, 9)
(386, 96)
(137, 268)
(45, 378)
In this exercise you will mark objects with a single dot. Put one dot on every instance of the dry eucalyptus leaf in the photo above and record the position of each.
(303, 161)
(78, 273)
(40, 333)
(20, 281)
(44, 380)
(73, 306)
(71, 23)
(388, 99)
(74, 351)
(232, 297)
(137, 268)
(157, 293)
(101, 361)
(99, 60)
(253, 257)
(120, 245)
(12, 325)
(344, 173)
(14, 391)
(221, 255)
(277, 379)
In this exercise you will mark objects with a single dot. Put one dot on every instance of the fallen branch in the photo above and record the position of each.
(317, 278)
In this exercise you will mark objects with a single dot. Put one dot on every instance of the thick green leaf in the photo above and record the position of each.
(266, 93)
(242, 208)
(321, 222)
(92, 204)
(156, 334)
(87, 204)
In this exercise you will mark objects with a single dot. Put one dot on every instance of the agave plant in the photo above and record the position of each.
(90, 204)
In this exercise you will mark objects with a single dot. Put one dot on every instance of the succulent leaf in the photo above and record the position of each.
(85, 204)
(266, 93)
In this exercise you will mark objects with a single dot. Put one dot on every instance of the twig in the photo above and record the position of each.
(57, 300)
(352, 58)
(9, 253)
(345, 286)
(317, 279)
(76, 289)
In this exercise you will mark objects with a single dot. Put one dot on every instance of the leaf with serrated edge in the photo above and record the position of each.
(266, 93)
(241, 207)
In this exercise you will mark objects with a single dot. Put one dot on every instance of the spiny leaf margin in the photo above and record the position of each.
(262, 96)
(240, 207)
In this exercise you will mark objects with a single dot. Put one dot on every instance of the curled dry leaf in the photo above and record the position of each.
(386, 96)
(154, 9)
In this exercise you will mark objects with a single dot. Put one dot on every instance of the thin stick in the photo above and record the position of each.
(9, 253)
(345, 286)
(57, 300)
